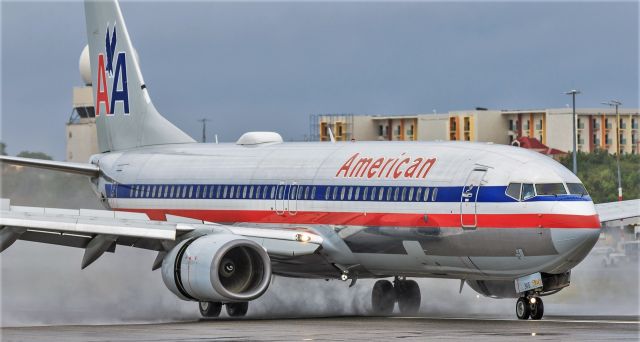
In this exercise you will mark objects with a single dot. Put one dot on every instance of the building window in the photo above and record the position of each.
(380, 130)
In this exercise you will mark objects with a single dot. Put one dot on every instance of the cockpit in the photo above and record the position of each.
(526, 191)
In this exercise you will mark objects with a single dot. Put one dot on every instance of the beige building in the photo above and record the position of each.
(596, 128)
(82, 139)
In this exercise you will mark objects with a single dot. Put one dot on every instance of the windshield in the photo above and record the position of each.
(577, 189)
(550, 189)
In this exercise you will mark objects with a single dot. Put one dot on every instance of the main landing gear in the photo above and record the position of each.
(385, 295)
(213, 309)
(529, 307)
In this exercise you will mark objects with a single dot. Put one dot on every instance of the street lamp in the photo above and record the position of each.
(573, 94)
(616, 103)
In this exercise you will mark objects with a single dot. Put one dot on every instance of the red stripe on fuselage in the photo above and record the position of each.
(380, 219)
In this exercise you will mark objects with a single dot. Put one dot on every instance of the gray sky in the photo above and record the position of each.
(268, 66)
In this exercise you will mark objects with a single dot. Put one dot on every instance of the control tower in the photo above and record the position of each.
(82, 140)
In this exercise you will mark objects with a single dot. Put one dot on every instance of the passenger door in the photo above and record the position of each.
(469, 197)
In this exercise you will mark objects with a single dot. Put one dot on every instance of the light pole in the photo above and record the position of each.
(573, 94)
(204, 129)
(616, 103)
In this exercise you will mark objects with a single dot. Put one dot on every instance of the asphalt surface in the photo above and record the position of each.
(564, 328)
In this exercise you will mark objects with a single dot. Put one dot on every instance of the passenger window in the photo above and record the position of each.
(184, 191)
(550, 189)
(342, 191)
(224, 191)
(244, 191)
(513, 190)
(218, 189)
(389, 193)
(293, 191)
(365, 192)
(577, 189)
(166, 191)
(527, 191)
(251, 192)
(306, 192)
(171, 191)
(190, 191)
(198, 191)
(211, 188)
(327, 192)
(434, 194)
(258, 191)
(395, 194)
(313, 193)
(418, 194)
(410, 199)
(404, 194)
(357, 194)
(334, 196)
(148, 191)
(300, 192)
(380, 193)
(426, 195)
(131, 192)
(350, 194)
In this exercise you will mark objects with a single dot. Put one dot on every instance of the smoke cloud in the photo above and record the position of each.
(42, 284)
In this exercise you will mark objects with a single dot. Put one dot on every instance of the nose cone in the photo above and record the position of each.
(575, 241)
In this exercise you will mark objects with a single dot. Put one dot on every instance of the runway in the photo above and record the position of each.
(583, 328)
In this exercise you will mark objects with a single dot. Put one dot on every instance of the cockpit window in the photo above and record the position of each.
(577, 189)
(527, 191)
(547, 189)
(513, 190)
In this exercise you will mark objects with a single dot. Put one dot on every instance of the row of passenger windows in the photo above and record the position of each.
(525, 191)
(292, 192)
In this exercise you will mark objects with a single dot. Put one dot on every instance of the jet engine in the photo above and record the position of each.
(217, 268)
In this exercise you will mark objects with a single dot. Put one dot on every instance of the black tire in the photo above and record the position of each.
(210, 309)
(408, 296)
(523, 309)
(383, 298)
(537, 309)
(237, 309)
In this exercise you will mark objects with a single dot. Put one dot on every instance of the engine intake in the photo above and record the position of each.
(220, 268)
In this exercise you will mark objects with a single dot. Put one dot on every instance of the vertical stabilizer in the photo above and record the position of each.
(125, 115)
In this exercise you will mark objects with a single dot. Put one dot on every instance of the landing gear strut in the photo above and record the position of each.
(529, 307)
(385, 295)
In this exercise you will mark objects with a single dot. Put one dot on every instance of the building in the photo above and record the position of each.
(82, 138)
(596, 128)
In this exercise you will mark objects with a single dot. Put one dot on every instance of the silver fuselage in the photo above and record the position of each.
(422, 209)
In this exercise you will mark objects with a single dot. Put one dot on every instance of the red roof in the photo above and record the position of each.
(536, 145)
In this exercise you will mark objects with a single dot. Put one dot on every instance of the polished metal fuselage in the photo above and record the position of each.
(434, 209)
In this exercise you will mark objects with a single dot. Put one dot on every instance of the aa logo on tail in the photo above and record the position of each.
(117, 77)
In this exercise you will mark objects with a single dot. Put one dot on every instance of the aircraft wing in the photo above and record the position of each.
(621, 210)
(99, 231)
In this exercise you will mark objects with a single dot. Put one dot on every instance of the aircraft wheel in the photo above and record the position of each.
(537, 309)
(523, 309)
(383, 298)
(237, 309)
(210, 309)
(408, 296)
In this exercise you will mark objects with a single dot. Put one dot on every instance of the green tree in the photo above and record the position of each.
(34, 155)
(598, 172)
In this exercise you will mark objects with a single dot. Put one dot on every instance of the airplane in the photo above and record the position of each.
(226, 218)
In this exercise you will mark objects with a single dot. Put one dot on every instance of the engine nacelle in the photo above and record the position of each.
(217, 268)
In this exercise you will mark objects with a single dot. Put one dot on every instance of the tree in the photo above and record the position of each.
(34, 155)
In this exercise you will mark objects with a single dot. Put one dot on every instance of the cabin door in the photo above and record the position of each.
(469, 198)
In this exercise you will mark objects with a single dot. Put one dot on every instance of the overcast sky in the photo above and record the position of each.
(268, 66)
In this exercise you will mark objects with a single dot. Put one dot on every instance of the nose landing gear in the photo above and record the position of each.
(530, 307)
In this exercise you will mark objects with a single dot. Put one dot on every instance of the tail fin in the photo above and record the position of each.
(125, 116)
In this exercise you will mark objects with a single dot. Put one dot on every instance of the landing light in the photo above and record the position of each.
(302, 237)
(532, 300)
